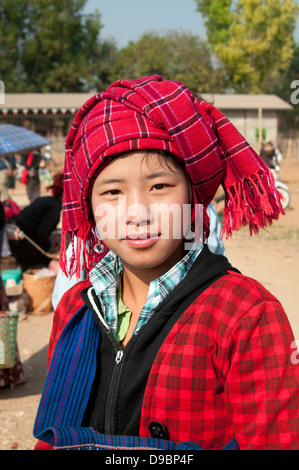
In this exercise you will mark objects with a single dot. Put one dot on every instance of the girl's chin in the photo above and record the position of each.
(149, 259)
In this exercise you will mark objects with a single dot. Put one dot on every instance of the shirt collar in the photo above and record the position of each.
(106, 277)
(108, 272)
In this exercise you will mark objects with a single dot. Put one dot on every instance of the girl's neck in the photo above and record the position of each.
(136, 281)
(134, 290)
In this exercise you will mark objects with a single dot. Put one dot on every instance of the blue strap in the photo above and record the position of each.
(88, 439)
(70, 376)
(63, 401)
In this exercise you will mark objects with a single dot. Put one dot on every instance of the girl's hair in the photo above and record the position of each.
(164, 158)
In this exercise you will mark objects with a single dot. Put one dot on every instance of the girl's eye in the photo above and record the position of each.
(160, 186)
(112, 192)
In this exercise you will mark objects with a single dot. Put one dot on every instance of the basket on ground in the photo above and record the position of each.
(39, 290)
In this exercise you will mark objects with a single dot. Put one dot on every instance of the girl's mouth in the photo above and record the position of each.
(141, 240)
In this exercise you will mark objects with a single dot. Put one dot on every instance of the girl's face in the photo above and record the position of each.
(141, 207)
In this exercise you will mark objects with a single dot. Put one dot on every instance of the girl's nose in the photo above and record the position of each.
(137, 214)
(138, 210)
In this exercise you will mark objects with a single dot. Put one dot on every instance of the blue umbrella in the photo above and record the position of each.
(16, 139)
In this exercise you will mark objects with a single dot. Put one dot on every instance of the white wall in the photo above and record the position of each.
(247, 122)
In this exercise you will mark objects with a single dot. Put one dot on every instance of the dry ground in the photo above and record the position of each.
(272, 258)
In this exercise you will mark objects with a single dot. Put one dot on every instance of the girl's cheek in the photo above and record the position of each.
(105, 218)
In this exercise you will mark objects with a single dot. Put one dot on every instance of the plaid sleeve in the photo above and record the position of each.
(262, 382)
(70, 302)
(226, 370)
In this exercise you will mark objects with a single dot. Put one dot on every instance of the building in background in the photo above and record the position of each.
(51, 114)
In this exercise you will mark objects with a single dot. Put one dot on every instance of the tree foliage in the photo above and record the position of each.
(177, 56)
(252, 38)
(55, 47)
(48, 46)
(11, 40)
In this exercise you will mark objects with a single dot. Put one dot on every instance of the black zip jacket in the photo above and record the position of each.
(115, 402)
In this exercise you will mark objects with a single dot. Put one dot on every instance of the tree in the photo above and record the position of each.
(176, 56)
(252, 38)
(49, 46)
(11, 41)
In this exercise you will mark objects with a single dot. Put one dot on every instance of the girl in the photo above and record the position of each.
(166, 345)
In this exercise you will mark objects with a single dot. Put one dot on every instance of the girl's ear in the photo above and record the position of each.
(190, 190)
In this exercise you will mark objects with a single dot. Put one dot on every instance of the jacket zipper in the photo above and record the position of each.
(112, 392)
(109, 414)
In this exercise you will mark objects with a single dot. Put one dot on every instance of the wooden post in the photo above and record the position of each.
(260, 132)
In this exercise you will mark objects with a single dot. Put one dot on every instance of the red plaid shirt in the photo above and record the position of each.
(224, 371)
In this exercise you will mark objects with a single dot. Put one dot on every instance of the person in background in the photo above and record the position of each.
(11, 376)
(7, 169)
(31, 163)
(11, 182)
(37, 221)
(271, 155)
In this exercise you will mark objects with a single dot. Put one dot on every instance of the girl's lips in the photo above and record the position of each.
(143, 241)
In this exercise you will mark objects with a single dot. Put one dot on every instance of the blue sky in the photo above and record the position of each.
(127, 20)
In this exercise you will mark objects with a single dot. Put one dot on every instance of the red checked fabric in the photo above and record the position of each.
(224, 370)
(156, 114)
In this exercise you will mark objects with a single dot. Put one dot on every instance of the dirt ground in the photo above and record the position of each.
(272, 258)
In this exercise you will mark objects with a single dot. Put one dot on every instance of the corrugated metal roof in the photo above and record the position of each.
(73, 101)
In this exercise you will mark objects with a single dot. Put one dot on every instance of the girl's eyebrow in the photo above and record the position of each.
(109, 181)
(157, 175)
(121, 180)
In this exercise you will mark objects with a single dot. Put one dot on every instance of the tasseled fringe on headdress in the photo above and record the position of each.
(254, 201)
(83, 257)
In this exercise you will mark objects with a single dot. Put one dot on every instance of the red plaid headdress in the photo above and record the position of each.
(152, 113)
